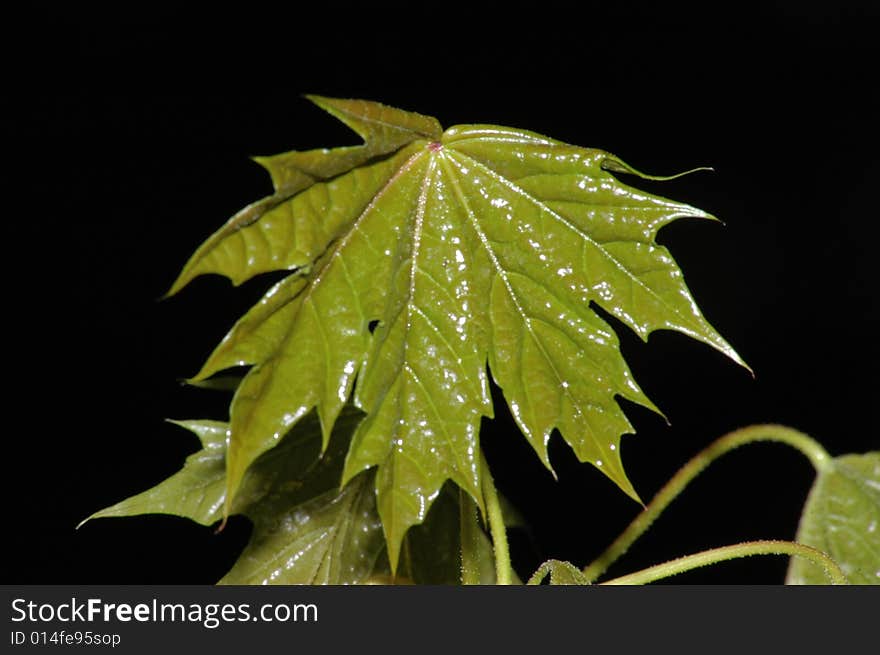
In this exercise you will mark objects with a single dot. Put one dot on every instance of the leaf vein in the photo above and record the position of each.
(513, 296)
(574, 228)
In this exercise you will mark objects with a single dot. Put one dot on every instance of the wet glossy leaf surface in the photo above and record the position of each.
(418, 258)
(334, 538)
(842, 518)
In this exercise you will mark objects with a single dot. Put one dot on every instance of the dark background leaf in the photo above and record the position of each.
(131, 137)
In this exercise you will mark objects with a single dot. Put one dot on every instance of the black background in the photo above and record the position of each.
(128, 142)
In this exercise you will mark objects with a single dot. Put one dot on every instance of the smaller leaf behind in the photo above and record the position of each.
(842, 518)
(431, 550)
(306, 529)
(195, 492)
(335, 538)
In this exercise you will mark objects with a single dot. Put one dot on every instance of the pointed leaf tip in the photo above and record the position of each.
(615, 164)
(374, 121)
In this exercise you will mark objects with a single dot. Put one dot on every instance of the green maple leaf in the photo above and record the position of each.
(842, 518)
(480, 244)
(307, 530)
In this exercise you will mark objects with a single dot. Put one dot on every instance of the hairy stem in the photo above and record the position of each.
(746, 549)
(503, 568)
(470, 538)
(768, 432)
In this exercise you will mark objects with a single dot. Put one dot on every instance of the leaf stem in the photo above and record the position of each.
(503, 568)
(765, 432)
(470, 544)
(745, 549)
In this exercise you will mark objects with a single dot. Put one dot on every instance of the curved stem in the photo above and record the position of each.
(503, 569)
(767, 432)
(746, 549)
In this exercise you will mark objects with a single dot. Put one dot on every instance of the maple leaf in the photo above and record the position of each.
(306, 529)
(842, 518)
(416, 259)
